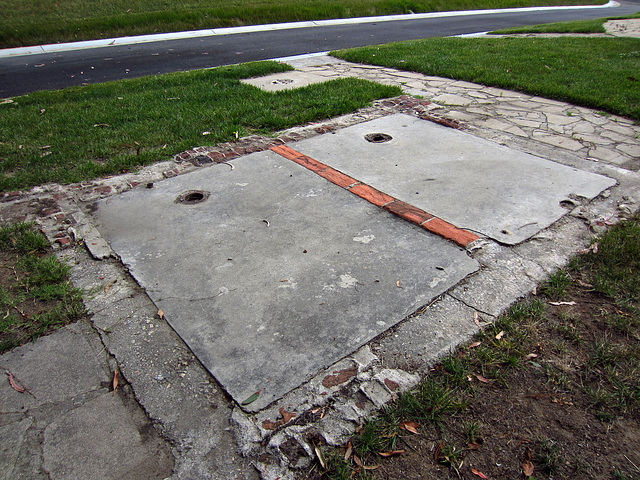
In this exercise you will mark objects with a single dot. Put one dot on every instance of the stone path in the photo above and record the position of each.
(505, 116)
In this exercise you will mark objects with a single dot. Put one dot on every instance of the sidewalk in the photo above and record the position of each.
(168, 416)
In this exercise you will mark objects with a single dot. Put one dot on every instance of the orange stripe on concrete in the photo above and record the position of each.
(337, 178)
(380, 199)
(310, 163)
(408, 212)
(450, 232)
(371, 194)
(286, 152)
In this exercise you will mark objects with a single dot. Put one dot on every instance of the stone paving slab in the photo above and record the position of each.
(468, 181)
(279, 273)
(284, 81)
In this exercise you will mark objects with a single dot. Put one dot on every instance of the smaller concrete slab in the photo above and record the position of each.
(284, 81)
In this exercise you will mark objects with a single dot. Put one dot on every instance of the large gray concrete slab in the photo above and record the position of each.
(279, 273)
(473, 183)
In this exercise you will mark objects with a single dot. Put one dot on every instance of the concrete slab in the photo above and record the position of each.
(470, 182)
(284, 81)
(278, 273)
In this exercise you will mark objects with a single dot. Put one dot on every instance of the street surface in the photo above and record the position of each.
(23, 74)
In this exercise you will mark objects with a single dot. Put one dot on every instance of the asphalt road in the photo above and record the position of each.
(24, 74)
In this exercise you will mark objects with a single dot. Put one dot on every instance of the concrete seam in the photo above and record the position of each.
(122, 376)
(470, 306)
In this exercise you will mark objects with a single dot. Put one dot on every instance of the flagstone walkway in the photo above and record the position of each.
(505, 116)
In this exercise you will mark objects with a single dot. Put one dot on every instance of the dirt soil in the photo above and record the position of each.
(563, 409)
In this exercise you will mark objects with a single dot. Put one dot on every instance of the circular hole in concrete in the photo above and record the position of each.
(377, 137)
(192, 196)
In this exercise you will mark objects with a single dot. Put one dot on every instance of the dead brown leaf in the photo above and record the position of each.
(436, 453)
(347, 454)
(160, 314)
(115, 381)
(527, 468)
(476, 319)
(357, 460)
(482, 379)
(392, 453)
(479, 473)
(475, 344)
(320, 457)
(286, 416)
(500, 335)
(410, 427)
(269, 424)
(108, 286)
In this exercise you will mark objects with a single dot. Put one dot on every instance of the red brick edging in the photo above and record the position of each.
(404, 210)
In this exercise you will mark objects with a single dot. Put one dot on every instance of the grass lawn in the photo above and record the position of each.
(33, 22)
(551, 390)
(601, 73)
(576, 26)
(81, 133)
(36, 295)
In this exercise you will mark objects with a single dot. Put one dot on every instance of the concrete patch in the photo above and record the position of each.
(470, 182)
(284, 81)
(279, 273)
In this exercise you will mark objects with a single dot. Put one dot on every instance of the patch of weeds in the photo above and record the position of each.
(604, 354)
(568, 327)
(455, 370)
(23, 239)
(557, 286)
(625, 323)
(556, 377)
(601, 400)
(615, 265)
(379, 434)
(437, 400)
(339, 469)
(548, 455)
(471, 431)
(534, 309)
(621, 475)
(451, 456)
(36, 296)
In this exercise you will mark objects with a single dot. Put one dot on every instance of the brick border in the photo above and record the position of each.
(380, 199)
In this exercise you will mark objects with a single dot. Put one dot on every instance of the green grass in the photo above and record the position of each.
(575, 26)
(615, 266)
(36, 295)
(32, 22)
(82, 133)
(600, 73)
